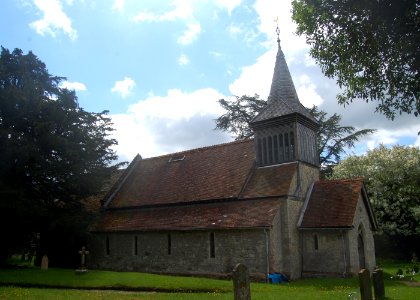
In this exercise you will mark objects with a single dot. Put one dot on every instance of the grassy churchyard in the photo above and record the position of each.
(33, 283)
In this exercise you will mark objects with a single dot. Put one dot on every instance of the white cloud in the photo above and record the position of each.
(146, 16)
(77, 86)
(183, 60)
(229, 5)
(268, 11)
(306, 91)
(182, 10)
(166, 124)
(417, 142)
(190, 34)
(118, 5)
(309, 61)
(124, 87)
(234, 30)
(391, 137)
(249, 83)
(54, 19)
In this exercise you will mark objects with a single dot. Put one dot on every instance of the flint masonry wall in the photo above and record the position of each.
(338, 249)
(325, 251)
(362, 223)
(189, 251)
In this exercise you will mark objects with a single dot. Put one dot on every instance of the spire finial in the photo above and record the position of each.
(277, 30)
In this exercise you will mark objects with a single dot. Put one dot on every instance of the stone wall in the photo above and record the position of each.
(362, 223)
(338, 249)
(190, 251)
(324, 251)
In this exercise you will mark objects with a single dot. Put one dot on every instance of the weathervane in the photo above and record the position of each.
(277, 30)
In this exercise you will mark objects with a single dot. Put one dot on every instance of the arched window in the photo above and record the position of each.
(135, 244)
(212, 245)
(286, 147)
(169, 244)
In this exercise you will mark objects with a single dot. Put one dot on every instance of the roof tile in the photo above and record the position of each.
(232, 214)
(339, 196)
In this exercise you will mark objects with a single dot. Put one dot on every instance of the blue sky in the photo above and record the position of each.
(159, 67)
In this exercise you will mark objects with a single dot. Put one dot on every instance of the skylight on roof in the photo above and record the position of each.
(176, 158)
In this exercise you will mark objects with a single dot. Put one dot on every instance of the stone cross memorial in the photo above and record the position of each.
(240, 278)
(83, 254)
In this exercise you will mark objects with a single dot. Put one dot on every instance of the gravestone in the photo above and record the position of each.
(83, 254)
(44, 263)
(365, 285)
(378, 284)
(241, 287)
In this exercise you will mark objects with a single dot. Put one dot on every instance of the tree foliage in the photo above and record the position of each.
(392, 178)
(370, 47)
(239, 113)
(54, 153)
(333, 139)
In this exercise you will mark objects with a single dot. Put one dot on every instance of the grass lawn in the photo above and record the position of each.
(144, 286)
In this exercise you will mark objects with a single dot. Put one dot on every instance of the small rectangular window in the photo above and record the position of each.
(316, 242)
(135, 246)
(169, 244)
(107, 246)
(212, 246)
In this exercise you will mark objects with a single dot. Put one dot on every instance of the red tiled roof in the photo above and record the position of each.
(206, 189)
(211, 173)
(270, 181)
(332, 204)
(232, 214)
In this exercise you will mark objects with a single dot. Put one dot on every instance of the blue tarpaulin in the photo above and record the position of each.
(277, 278)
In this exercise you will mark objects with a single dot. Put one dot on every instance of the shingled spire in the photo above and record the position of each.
(283, 99)
(284, 130)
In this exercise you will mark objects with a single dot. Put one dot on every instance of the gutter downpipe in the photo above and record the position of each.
(344, 254)
(267, 252)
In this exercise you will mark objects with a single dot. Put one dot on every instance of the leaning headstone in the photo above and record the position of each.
(241, 287)
(44, 263)
(378, 284)
(365, 285)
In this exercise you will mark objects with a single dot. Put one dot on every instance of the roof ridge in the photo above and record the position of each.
(201, 148)
(360, 178)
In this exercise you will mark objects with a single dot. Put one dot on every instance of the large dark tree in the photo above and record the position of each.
(333, 138)
(53, 152)
(370, 47)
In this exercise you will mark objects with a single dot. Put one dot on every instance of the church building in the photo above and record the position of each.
(259, 202)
